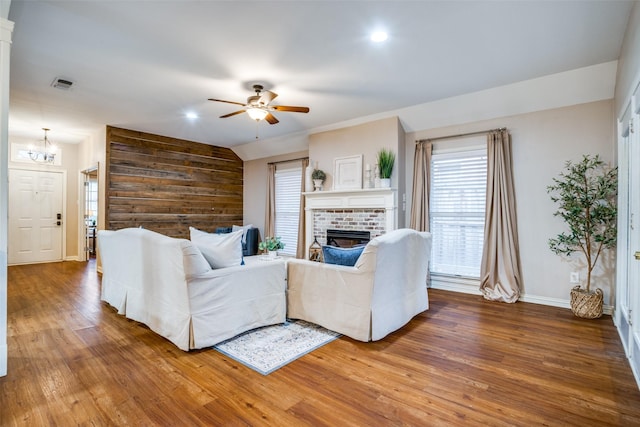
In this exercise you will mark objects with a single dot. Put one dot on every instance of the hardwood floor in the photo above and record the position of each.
(74, 361)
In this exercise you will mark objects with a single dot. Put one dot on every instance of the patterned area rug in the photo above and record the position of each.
(271, 347)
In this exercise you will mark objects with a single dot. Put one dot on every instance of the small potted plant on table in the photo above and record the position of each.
(271, 245)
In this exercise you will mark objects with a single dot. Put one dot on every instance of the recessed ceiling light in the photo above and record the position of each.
(191, 115)
(379, 36)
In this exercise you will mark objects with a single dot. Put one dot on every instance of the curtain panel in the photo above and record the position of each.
(270, 211)
(500, 268)
(302, 244)
(421, 186)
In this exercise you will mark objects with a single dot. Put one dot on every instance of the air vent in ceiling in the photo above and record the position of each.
(62, 84)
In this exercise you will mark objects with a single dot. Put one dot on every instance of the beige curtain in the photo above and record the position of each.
(500, 268)
(270, 210)
(302, 243)
(421, 186)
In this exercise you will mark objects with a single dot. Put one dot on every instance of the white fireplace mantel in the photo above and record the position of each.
(373, 198)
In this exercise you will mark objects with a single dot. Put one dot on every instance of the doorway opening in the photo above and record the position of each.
(90, 214)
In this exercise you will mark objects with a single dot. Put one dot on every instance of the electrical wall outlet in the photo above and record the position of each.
(574, 277)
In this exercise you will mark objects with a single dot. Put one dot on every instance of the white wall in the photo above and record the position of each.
(93, 152)
(629, 63)
(366, 139)
(542, 142)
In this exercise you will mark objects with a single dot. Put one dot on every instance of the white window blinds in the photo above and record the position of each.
(456, 212)
(288, 190)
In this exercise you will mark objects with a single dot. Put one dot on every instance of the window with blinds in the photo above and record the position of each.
(456, 212)
(288, 189)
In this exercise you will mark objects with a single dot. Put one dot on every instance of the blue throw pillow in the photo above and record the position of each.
(341, 256)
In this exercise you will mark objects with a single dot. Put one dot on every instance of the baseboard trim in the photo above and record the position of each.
(470, 288)
(72, 258)
(455, 284)
(455, 287)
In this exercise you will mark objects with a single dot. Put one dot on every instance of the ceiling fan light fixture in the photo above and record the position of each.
(379, 36)
(257, 114)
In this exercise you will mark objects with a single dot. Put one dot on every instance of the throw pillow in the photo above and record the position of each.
(341, 256)
(244, 229)
(193, 261)
(220, 250)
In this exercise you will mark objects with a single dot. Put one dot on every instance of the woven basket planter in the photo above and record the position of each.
(587, 305)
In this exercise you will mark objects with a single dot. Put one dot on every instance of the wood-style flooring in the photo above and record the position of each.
(74, 361)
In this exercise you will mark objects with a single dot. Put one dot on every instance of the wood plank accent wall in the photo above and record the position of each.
(166, 184)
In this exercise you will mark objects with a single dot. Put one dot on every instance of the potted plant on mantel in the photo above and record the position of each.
(586, 197)
(386, 159)
(271, 245)
(318, 177)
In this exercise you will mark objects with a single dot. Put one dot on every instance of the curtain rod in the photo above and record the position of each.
(287, 161)
(460, 135)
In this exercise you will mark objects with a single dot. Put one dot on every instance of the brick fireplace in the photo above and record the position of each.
(373, 210)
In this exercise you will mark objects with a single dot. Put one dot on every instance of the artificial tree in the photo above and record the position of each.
(586, 196)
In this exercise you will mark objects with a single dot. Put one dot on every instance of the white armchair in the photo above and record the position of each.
(380, 294)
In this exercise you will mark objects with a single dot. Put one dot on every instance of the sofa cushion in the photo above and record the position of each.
(193, 260)
(220, 250)
(341, 256)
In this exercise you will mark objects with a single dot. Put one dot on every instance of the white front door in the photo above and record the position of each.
(35, 216)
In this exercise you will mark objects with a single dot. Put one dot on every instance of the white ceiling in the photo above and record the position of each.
(143, 64)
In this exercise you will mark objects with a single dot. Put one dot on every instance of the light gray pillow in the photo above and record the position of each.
(192, 259)
(244, 229)
(220, 250)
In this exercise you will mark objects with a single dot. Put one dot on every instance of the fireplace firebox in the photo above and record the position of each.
(347, 238)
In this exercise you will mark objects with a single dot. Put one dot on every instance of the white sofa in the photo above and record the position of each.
(380, 294)
(167, 284)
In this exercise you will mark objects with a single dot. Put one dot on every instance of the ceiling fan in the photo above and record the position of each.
(258, 108)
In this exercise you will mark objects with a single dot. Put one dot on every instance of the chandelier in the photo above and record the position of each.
(47, 155)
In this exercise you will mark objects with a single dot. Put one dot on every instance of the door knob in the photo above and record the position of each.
(637, 255)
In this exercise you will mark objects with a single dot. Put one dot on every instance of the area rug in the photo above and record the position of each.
(269, 348)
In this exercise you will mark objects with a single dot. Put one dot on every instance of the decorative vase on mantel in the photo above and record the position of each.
(386, 160)
(318, 177)
(308, 181)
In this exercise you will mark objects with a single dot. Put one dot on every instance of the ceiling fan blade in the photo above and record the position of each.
(266, 97)
(228, 102)
(271, 119)
(232, 114)
(290, 108)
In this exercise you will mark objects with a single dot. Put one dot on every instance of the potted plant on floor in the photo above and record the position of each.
(386, 159)
(318, 177)
(586, 197)
(271, 245)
